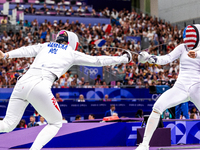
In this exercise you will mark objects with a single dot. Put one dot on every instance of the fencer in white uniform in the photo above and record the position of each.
(51, 61)
(187, 86)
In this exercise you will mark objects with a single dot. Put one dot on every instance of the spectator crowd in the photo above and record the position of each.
(162, 36)
(61, 8)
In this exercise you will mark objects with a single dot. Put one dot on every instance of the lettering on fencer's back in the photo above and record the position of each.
(55, 47)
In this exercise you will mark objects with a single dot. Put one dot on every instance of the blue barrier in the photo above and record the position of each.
(184, 132)
(98, 93)
(70, 109)
(94, 93)
(12, 6)
(41, 18)
(5, 93)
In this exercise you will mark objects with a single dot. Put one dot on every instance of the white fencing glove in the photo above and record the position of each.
(152, 59)
(143, 57)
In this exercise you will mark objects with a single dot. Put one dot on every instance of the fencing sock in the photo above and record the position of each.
(47, 133)
(151, 126)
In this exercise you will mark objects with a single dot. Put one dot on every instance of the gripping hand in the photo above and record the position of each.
(143, 57)
(127, 54)
(152, 59)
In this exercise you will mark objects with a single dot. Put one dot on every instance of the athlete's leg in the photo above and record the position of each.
(170, 98)
(195, 95)
(185, 109)
(44, 102)
(178, 111)
(14, 113)
(15, 109)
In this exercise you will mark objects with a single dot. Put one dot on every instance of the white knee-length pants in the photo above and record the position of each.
(35, 88)
(178, 94)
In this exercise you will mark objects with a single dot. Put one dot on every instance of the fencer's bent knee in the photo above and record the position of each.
(157, 111)
(158, 107)
(154, 114)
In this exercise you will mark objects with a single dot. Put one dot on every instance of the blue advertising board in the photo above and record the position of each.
(70, 109)
(94, 103)
(99, 93)
(93, 71)
(93, 93)
(133, 38)
(184, 132)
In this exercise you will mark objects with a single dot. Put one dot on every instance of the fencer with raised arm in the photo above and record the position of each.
(187, 85)
(51, 61)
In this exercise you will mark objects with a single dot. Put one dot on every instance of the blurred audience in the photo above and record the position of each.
(91, 117)
(22, 124)
(139, 113)
(166, 115)
(78, 117)
(64, 120)
(81, 98)
(58, 99)
(42, 121)
(194, 114)
(111, 111)
(36, 114)
(32, 122)
(106, 98)
(124, 24)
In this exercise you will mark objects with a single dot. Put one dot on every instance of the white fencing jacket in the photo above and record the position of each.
(58, 58)
(189, 73)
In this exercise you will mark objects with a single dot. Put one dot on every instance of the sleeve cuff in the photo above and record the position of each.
(197, 55)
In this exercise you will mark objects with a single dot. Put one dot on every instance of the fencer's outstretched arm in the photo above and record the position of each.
(175, 54)
(28, 51)
(87, 60)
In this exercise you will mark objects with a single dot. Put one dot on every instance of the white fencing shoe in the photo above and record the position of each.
(142, 147)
